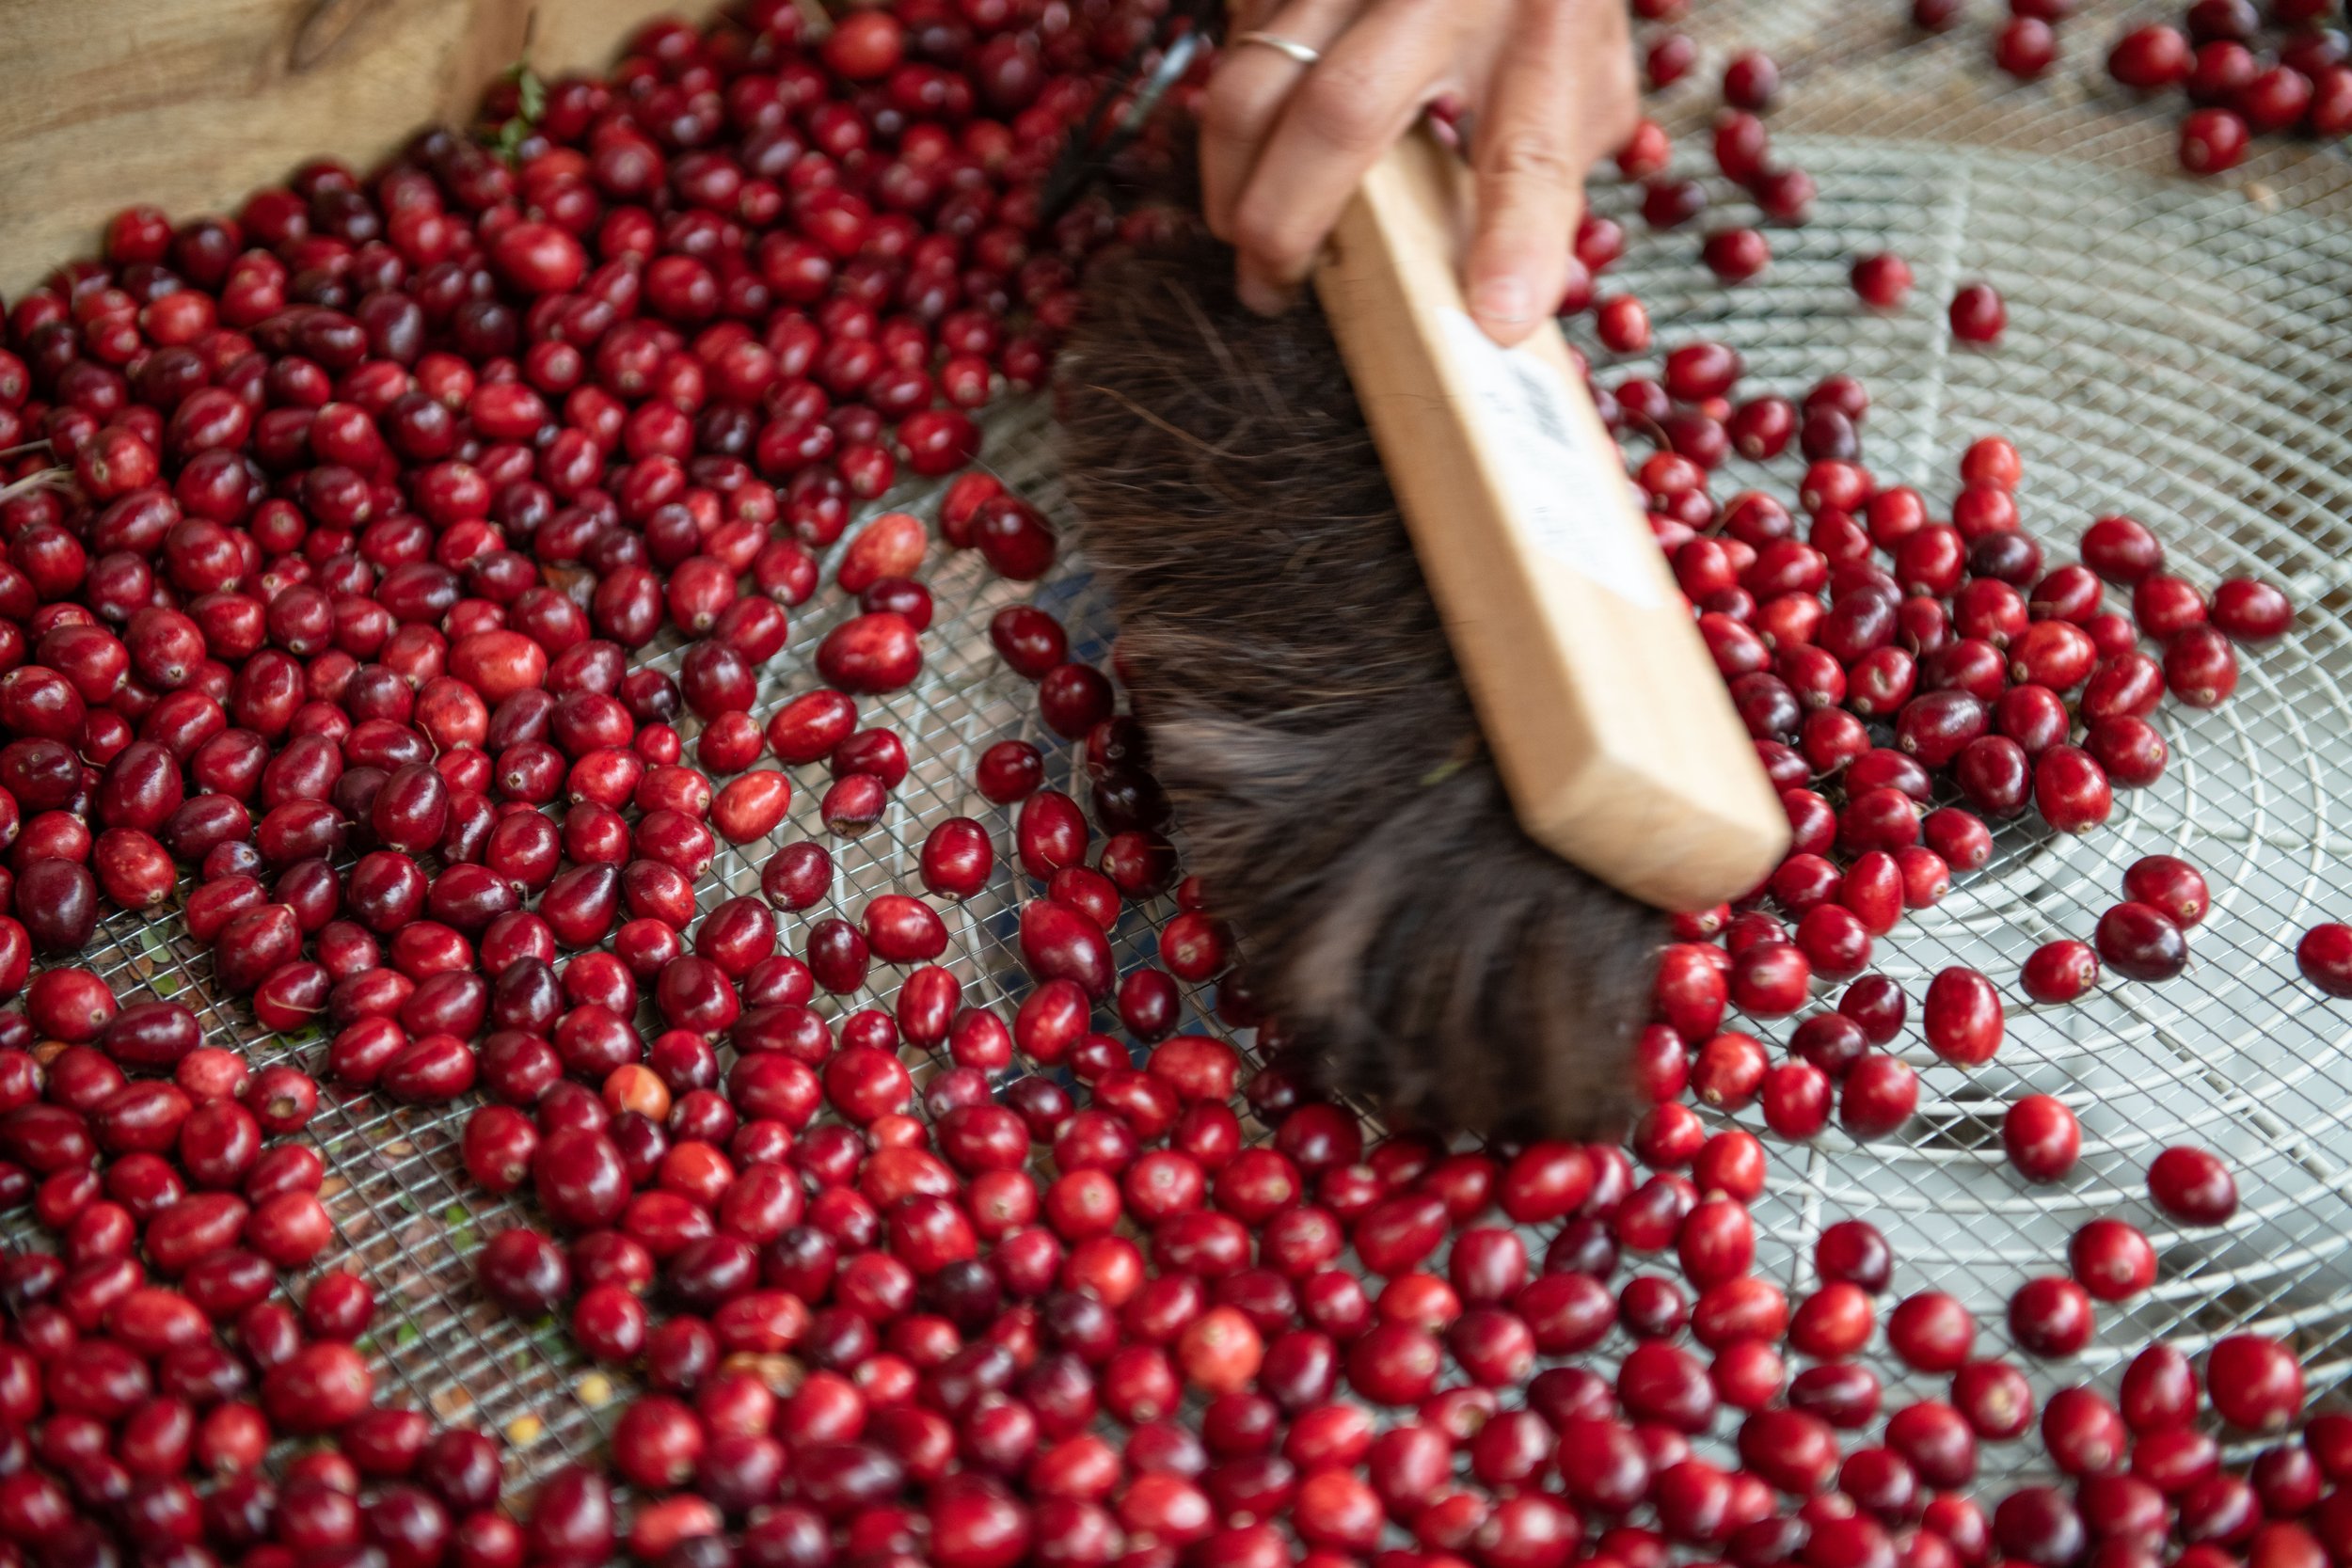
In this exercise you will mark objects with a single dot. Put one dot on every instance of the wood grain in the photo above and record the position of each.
(191, 103)
(1608, 721)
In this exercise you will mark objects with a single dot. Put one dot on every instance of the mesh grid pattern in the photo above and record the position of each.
(408, 1218)
(2176, 351)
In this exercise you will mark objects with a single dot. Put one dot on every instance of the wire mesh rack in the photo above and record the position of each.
(408, 1218)
(2178, 350)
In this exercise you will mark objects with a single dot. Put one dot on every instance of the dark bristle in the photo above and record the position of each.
(1308, 721)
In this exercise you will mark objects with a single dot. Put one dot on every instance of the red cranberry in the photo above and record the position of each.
(2213, 140)
(1962, 1017)
(2192, 1186)
(1977, 313)
(2324, 954)
(2142, 942)
(2255, 1383)
(2111, 1259)
(2050, 1316)
(2060, 971)
(2042, 1136)
(2025, 48)
(1882, 280)
(2151, 58)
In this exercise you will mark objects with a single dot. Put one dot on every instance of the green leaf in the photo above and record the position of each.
(405, 1334)
(163, 985)
(456, 1214)
(531, 93)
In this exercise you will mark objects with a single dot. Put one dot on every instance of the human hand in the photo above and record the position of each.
(1547, 85)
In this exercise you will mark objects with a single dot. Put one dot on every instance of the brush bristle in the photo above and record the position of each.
(1309, 724)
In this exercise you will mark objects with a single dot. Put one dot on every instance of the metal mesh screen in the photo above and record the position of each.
(2178, 350)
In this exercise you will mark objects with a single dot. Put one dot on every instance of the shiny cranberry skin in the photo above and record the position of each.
(2142, 942)
(1007, 772)
(2071, 789)
(2050, 1316)
(872, 652)
(1029, 640)
(2042, 1136)
(1771, 979)
(1976, 312)
(2151, 58)
(2025, 48)
(56, 900)
(1073, 698)
(319, 1387)
(1877, 1096)
(2040, 1525)
(2060, 971)
(523, 1271)
(957, 858)
(796, 876)
(2254, 1382)
(1962, 1017)
(1882, 280)
(2111, 1259)
(2324, 955)
(2192, 1186)
(2250, 611)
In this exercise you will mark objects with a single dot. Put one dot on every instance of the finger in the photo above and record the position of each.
(1246, 93)
(1530, 177)
(1351, 108)
(1607, 99)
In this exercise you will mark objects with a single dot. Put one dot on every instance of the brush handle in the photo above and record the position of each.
(1611, 726)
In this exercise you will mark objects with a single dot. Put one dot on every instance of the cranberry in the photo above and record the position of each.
(1976, 312)
(1882, 280)
(2042, 1136)
(2250, 611)
(2151, 58)
(2060, 971)
(2025, 48)
(1879, 1095)
(2192, 1186)
(1962, 1017)
(2213, 140)
(2255, 1383)
(2050, 1316)
(2142, 942)
(2324, 954)
(2111, 1259)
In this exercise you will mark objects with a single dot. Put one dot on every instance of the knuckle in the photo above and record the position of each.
(1230, 110)
(1270, 234)
(1526, 155)
(1343, 108)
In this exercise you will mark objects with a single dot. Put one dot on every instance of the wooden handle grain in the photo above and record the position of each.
(1612, 731)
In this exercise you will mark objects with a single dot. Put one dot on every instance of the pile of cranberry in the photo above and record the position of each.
(340, 540)
(2244, 80)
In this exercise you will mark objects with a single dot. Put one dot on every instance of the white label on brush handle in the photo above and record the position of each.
(1571, 495)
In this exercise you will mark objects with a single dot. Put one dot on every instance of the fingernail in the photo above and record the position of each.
(1258, 295)
(1500, 300)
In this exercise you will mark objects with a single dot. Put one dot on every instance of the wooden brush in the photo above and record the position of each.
(1442, 806)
